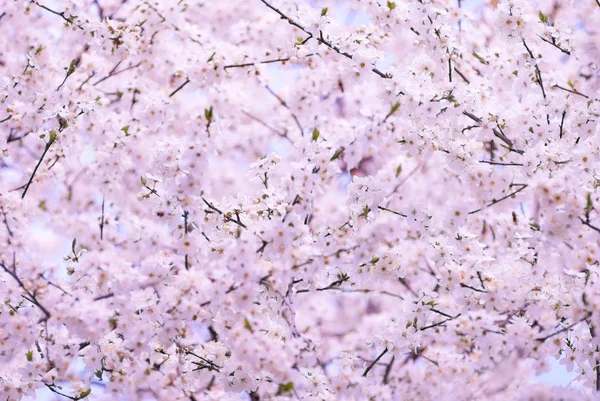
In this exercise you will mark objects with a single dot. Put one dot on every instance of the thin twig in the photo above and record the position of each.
(553, 43)
(375, 362)
(391, 211)
(494, 201)
(498, 133)
(571, 91)
(320, 39)
(112, 72)
(30, 296)
(462, 75)
(278, 60)
(499, 163)
(542, 339)
(102, 220)
(284, 104)
(180, 87)
(225, 216)
(50, 142)
(537, 69)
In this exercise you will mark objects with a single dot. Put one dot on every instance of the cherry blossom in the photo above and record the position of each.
(290, 199)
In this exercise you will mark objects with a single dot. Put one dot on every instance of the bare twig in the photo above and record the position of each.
(497, 132)
(180, 87)
(537, 69)
(573, 91)
(284, 104)
(29, 295)
(48, 144)
(374, 362)
(494, 201)
(225, 215)
(320, 39)
(542, 339)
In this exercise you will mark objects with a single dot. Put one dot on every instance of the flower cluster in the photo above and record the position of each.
(289, 199)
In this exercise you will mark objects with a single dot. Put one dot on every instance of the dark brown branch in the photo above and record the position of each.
(472, 288)
(587, 223)
(522, 187)
(225, 216)
(105, 296)
(113, 72)
(50, 142)
(278, 60)
(431, 326)
(553, 43)
(60, 14)
(180, 87)
(391, 211)
(499, 163)
(542, 339)
(571, 91)
(51, 387)
(462, 75)
(284, 104)
(320, 39)
(388, 369)
(497, 132)
(374, 362)
(537, 69)
(29, 295)
(102, 220)
(10, 233)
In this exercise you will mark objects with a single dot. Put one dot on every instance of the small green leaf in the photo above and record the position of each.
(211, 57)
(143, 180)
(337, 153)
(84, 394)
(29, 356)
(324, 11)
(394, 108)
(112, 322)
(71, 67)
(398, 170)
(39, 49)
(98, 373)
(125, 129)
(543, 17)
(374, 260)
(247, 325)
(286, 388)
(315, 134)
(571, 84)
(391, 5)
(478, 57)
(208, 113)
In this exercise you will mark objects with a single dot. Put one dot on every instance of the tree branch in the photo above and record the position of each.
(374, 362)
